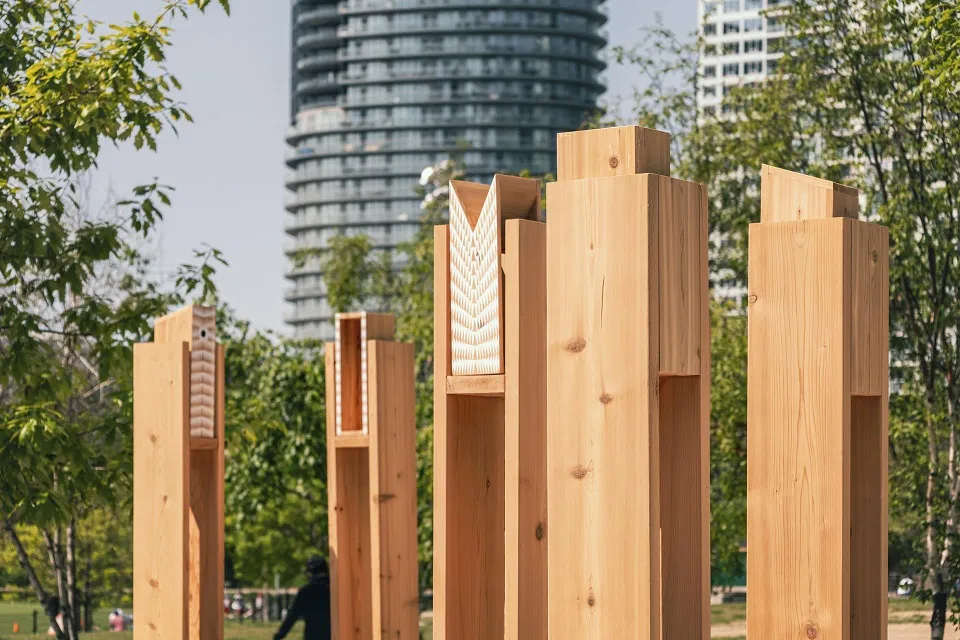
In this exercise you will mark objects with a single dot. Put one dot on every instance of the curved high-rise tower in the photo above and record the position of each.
(384, 88)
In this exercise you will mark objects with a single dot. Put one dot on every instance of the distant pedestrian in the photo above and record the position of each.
(312, 604)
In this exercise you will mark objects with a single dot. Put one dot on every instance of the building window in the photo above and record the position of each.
(751, 46)
(774, 25)
(775, 45)
(710, 50)
(710, 8)
(727, 89)
(731, 69)
(709, 92)
(731, 48)
(772, 66)
(710, 29)
(752, 24)
(754, 66)
(730, 6)
(754, 4)
(731, 27)
(710, 72)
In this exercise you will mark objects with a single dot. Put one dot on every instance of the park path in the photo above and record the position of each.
(897, 631)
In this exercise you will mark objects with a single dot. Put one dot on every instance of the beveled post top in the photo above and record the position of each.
(789, 196)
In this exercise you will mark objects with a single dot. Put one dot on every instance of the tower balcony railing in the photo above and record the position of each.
(532, 46)
(462, 72)
(321, 38)
(385, 5)
(319, 15)
(317, 61)
(470, 26)
(326, 83)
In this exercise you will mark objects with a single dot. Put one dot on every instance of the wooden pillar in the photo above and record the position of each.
(490, 532)
(628, 380)
(372, 481)
(178, 445)
(817, 414)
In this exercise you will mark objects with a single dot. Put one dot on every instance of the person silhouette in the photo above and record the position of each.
(312, 604)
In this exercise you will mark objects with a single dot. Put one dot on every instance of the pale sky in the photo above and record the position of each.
(227, 167)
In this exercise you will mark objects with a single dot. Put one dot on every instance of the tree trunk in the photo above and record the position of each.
(55, 555)
(932, 560)
(72, 601)
(938, 620)
(42, 595)
(88, 591)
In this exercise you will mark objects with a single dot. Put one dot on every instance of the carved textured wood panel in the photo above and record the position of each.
(203, 366)
(475, 286)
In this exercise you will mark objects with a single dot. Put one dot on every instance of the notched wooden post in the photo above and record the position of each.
(178, 479)
(490, 529)
(629, 387)
(371, 480)
(817, 414)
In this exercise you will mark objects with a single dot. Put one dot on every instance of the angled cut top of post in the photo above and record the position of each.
(197, 326)
(477, 217)
(352, 331)
(786, 195)
(615, 151)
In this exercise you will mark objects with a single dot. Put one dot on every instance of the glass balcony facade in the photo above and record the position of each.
(384, 88)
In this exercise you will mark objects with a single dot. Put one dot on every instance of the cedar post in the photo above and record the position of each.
(817, 414)
(490, 562)
(178, 445)
(371, 481)
(628, 362)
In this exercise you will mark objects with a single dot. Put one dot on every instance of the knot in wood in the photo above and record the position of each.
(875, 257)
(577, 345)
(539, 533)
(752, 298)
(580, 472)
(591, 599)
(614, 162)
(606, 398)
(811, 632)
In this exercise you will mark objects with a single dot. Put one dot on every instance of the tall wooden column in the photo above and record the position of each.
(178, 479)
(490, 530)
(817, 415)
(628, 379)
(372, 481)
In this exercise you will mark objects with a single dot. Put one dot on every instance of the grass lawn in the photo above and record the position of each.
(11, 613)
(901, 611)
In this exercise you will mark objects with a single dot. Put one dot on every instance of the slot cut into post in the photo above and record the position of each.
(489, 417)
(371, 480)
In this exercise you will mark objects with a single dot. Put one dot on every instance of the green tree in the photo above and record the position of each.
(355, 273)
(73, 296)
(276, 482)
(728, 441)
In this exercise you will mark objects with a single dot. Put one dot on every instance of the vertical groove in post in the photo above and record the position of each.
(441, 369)
(526, 531)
